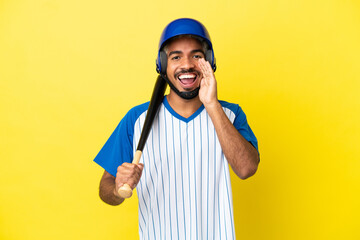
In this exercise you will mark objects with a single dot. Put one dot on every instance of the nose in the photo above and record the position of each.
(188, 63)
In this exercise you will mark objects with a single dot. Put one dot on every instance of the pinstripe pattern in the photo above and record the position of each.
(185, 189)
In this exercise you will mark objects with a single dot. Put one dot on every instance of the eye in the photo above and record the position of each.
(198, 56)
(175, 58)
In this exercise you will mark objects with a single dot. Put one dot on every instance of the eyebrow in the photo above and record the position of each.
(193, 51)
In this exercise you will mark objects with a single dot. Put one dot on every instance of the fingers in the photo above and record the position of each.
(208, 77)
(205, 68)
(128, 173)
(208, 86)
(141, 166)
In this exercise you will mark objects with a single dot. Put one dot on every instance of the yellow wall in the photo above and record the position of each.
(69, 71)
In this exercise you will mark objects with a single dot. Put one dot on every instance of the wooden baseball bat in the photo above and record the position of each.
(157, 97)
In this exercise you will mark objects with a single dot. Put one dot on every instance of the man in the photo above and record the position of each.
(182, 180)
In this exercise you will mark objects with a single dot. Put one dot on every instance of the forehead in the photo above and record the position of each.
(183, 44)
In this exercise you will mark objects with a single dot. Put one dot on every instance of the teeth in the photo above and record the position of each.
(186, 76)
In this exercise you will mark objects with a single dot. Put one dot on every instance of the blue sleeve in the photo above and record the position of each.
(243, 127)
(241, 124)
(118, 148)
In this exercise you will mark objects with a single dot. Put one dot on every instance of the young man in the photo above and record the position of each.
(182, 180)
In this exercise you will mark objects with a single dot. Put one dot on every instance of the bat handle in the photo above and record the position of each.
(125, 191)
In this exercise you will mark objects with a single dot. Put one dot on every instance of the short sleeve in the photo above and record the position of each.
(118, 148)
(241, 124)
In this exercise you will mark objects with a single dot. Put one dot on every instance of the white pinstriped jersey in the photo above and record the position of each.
(185, 190)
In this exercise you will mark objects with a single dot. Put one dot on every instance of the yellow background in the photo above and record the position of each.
(70, 70)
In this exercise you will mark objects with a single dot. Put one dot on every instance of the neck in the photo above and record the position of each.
(183, 107)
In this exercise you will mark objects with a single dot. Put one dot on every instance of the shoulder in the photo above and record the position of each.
(233, 107)
(127, 123)
(134, 113)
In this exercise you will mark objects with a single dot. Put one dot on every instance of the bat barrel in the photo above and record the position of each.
(156, 99)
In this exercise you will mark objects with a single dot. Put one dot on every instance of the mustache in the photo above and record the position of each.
(191, 70)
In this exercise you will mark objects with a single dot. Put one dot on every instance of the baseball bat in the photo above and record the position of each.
(125, 191)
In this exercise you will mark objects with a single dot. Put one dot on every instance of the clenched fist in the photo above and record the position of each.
(128, 173)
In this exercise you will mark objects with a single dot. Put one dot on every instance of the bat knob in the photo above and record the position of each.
(125, 191)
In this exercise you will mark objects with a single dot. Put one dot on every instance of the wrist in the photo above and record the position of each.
(212, 106)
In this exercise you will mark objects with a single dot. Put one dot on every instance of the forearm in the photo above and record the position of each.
(107, 190)
(241, 155)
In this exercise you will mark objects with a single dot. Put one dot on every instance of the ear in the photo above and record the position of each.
(163, 62)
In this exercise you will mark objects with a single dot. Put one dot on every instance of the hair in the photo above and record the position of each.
(203, 43)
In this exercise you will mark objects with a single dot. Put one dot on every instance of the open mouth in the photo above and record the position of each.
(187, 80)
